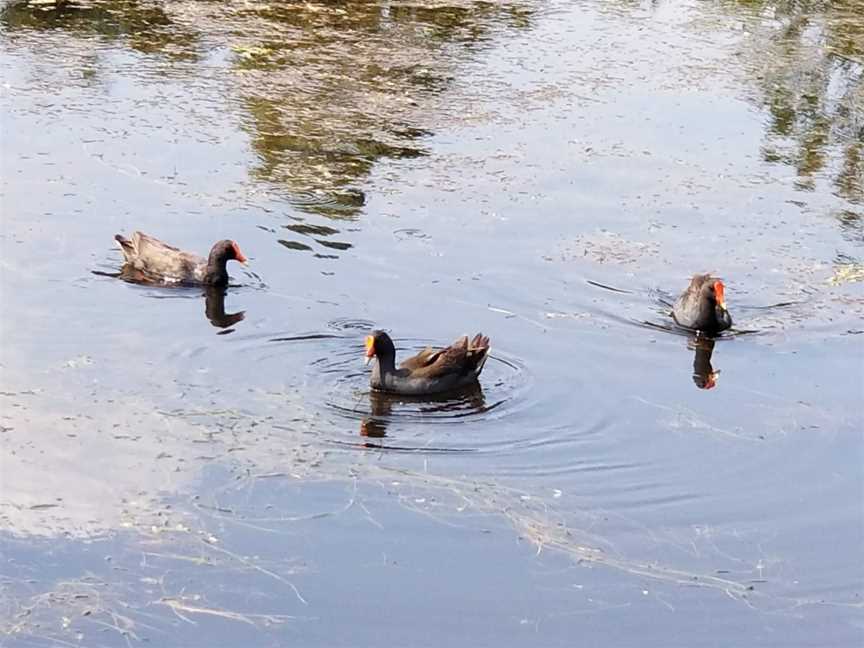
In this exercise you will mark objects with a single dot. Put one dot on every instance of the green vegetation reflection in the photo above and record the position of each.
(808, 59)
(324, 89)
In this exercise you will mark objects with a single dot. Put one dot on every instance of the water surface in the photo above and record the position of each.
(190, 469)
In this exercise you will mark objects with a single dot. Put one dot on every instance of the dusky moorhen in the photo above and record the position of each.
(702, 306)
(168, 264)
(432, 371)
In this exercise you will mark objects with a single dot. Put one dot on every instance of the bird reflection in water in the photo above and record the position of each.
(214, 309)
(704, 376)
(373, 428)
(381, 405)
(214, 304)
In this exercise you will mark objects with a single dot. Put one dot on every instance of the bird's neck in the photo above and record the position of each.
(216, 273)
(383, 365)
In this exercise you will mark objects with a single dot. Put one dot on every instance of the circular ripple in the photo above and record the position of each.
(318, 383)
(504, 384)
(411, 233)
(350, 324)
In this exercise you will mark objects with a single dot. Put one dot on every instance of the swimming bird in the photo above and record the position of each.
(158, 261)
(432, 371)
(702, 306)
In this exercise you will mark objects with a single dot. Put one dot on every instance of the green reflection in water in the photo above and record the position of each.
(808, 59)
(145, 27)
(324, 89)
(330, 89)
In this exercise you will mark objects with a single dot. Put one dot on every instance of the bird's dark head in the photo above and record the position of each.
(714, 291)
(227, 251)
(379, 344)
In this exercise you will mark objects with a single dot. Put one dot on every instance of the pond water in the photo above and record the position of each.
(183, 469)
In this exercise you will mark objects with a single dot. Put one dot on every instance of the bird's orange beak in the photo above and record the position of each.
(720, 294)
(370, 348)
(238, 255)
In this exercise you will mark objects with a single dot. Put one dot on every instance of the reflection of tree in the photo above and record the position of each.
(331, 87)
(808, 56)
(144, 26)
(326, 88)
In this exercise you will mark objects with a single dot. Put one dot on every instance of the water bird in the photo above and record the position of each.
(432, 371)
(702, 306)
(158, 261)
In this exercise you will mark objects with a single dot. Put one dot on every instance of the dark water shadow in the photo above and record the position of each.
(597, 284)
(673, 328)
